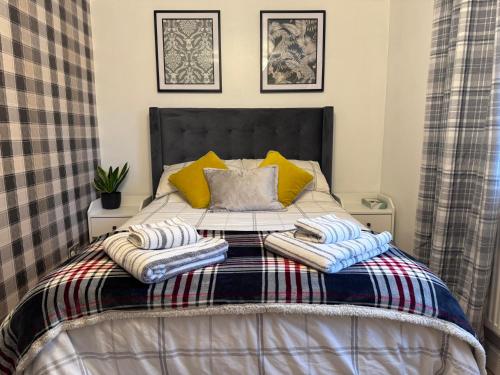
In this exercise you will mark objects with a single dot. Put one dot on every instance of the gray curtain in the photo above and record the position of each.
(458, 201)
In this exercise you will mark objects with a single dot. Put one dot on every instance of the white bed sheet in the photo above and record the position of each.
(254, 344)
(309, 204)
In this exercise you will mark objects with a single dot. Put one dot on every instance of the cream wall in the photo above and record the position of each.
(377, 55)
(355, 79)
(410, 27)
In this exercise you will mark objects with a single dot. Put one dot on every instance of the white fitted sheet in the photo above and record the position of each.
(309, 204)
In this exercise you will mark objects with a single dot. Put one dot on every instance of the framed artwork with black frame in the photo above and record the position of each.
(188, 55)
(292, 50)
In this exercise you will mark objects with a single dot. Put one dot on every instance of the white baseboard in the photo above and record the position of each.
(492, 358)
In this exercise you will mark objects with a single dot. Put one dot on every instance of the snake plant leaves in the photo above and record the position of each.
(110, 181)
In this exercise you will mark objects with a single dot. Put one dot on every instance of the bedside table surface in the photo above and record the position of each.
(131, 205)
(123, 211)
(351, 202)
(376, 219)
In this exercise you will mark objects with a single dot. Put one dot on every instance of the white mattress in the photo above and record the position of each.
(309, 204)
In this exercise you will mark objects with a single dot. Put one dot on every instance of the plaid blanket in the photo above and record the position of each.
(91, 283)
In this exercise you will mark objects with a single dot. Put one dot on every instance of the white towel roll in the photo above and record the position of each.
(326, 229)
(163, 235)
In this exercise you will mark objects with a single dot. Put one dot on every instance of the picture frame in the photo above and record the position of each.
(292, 50)
(188, 50)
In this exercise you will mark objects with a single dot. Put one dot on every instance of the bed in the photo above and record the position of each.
(257, 312)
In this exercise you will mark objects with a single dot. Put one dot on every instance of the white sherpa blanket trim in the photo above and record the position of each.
(242, 309)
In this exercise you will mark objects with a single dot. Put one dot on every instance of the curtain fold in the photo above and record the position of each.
(459, 197)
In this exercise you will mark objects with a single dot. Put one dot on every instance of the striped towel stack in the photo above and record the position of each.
(327, 243)
(156, 252)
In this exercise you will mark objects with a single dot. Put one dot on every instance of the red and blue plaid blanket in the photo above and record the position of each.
(91, 283)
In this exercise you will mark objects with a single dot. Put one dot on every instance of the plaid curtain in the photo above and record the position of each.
(458, 202)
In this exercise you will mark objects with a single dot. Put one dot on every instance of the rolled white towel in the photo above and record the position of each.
(163, 235)
(328, 258)
(326, 229)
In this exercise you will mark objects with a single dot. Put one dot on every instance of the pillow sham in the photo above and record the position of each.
(243, 190)
(291, 179)
(191, 182)
(319, 182)
(165, 187)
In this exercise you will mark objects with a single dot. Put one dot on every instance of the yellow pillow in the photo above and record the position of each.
(191, 182)
(291, 179)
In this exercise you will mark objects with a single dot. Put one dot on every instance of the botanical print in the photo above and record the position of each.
(188, 51)
(292, 51)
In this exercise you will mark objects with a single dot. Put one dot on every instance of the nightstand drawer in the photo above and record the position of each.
(103, 221)
(102, 225)
(378, 223)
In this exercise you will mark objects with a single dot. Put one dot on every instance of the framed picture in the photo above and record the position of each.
(292, 51)
(188, 51)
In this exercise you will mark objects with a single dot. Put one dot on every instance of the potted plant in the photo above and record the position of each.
(107, 184)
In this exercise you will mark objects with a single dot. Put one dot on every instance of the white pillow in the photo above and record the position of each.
(165, 187)
(318, 183)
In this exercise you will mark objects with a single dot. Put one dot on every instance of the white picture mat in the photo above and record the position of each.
(161, 57)
(319, 62)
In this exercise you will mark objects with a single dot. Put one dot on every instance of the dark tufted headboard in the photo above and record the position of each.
(184, 134)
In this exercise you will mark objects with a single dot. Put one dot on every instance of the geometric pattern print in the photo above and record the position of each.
(91, 283)
(459, 197)
(188, 51)
(48, 138)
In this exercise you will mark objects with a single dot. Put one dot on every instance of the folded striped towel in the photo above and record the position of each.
(326, 229)
(328, 258)
(156, 266)
(165, 234)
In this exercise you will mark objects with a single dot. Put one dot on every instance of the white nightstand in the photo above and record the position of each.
(375, 219)
(102, 221)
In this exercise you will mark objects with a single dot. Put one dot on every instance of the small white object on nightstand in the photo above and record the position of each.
(374, 218)
(102, 221)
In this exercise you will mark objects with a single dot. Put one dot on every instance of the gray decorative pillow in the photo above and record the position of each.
(243, 189)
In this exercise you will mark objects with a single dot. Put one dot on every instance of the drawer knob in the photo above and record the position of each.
(114, 227)
(369, 225)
